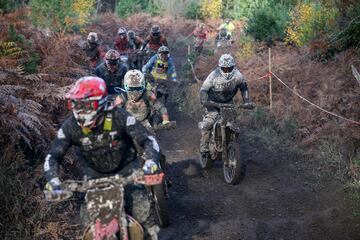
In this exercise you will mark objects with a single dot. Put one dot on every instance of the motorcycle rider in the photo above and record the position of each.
(135, 43)
(160, 66)
(154, 40)
(94, 51)
(220, 86)
(229, 26)
(139, 101)
(200, 34)
(112, 71)
(106, 137)
(222, 35)
(121, 43)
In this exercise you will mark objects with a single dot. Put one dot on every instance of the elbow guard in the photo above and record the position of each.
(203, 96)
(245, 92)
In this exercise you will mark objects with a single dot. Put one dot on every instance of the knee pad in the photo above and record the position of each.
(205, 125)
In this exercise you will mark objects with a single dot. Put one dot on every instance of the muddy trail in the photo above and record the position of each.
(282, 196)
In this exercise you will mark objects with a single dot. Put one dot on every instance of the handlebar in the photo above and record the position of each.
(70, 186)
(229, 105)
(170, 125)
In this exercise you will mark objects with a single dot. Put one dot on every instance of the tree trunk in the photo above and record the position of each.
(105, 6)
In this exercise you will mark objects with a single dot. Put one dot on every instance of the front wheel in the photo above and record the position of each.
(235, 169)
(206, 162)
(160, 205)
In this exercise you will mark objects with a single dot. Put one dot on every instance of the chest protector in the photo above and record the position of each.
(105, 151)
(160, 69)
(140, 109)
(223, 91)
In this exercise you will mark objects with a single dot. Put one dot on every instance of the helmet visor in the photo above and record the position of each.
(227, 69)
(88, 105)
(135, 89)
(113, 62)
(156, 34)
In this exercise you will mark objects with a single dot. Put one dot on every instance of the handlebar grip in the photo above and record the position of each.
(57, 195)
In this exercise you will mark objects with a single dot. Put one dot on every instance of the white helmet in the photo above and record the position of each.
(92, 38)
(227, 66)
(134, 83)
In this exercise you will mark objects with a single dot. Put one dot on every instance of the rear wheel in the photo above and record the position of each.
(161, 205)
(235, 170)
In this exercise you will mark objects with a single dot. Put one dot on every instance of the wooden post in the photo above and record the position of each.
(270, 79)
(188, 50)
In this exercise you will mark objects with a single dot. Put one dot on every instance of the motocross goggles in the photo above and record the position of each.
(113, 62)
(135, 89)
(88, 105)
(227, 69)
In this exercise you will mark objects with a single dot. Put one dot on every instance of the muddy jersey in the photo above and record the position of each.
(142, 108)
(112, 79)
(221, 90)
(121, 45)
(94, 54)
(107, 148)
(155, 42)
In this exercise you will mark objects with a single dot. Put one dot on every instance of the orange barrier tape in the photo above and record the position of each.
(265, 76)
(313, 104)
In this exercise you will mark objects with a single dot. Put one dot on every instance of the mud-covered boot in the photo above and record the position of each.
(152, 233)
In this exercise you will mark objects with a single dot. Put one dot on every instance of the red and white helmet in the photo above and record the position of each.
(87, 99)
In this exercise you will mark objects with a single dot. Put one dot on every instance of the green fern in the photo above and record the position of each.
(10, 49)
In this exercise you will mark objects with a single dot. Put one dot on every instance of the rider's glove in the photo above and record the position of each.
(150, 167)
(53, 184)
(165, 122)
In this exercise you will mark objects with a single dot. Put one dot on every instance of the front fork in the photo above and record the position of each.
(224, 154)
(227, 135)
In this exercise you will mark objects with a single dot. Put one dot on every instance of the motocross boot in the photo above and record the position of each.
(152, 233)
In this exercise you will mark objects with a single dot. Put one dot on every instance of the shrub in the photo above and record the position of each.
(193, 10)
(308, 20)
(211, 8)
(246, 47)
(127, 7)
(244, 8)
(10, 5)
(267, 23)
(349, 33)
(64, 15)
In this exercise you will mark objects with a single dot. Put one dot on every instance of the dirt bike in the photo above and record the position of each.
(160, 86)
(198, 45)
(136, 59)
(160, 192)
(224, 143)
(104, 199)
(222, 44)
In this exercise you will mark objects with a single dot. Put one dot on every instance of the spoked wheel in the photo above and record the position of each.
(235, 170)
(161, 205)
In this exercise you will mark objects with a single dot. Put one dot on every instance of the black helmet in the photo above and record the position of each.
(131, 34)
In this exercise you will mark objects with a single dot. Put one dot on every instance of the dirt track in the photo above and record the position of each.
(280, 198)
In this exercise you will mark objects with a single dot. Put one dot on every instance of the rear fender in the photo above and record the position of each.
(135, 230)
